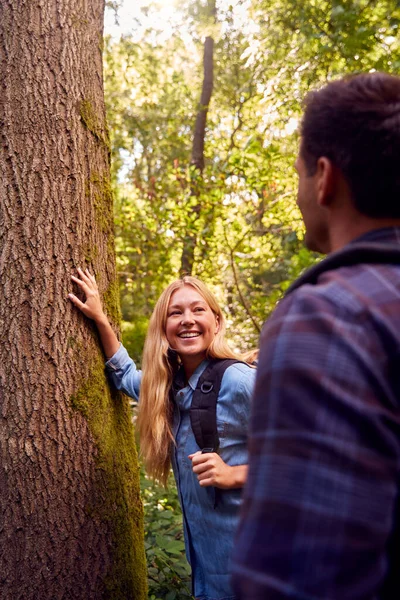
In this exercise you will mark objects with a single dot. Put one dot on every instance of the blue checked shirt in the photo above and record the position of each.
(320, 518)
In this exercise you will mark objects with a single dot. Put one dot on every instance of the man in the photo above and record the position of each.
(321, 508)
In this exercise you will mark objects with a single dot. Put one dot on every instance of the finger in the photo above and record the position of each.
(198, 453)
(81, 283)
(86, 278)
(77, 302)
(91, 277)
(83, 275)
(202, 468)
(199, 459)
(207, 482)
(210, 457)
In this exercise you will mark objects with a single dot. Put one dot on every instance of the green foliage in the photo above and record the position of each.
(168, 569)
(133, 336)
(242, 211)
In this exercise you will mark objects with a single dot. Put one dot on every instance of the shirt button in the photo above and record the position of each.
(180, 394)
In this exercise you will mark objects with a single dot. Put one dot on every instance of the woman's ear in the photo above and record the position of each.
(216, 323)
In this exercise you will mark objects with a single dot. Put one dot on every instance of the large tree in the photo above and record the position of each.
(70, 511)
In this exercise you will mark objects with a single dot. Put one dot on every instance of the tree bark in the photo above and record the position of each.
(70, 512)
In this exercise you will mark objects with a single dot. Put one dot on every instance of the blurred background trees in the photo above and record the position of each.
(238, 212)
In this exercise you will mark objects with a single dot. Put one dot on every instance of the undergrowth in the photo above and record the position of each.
(168, 570)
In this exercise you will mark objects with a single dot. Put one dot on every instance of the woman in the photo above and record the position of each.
(186, 330)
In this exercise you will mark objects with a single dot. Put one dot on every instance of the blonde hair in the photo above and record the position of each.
(159, 367)
(251, 356)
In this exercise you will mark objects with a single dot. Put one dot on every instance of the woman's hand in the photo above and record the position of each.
(92, 306)
(212, 470)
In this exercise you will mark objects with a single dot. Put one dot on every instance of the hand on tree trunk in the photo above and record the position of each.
(93, 309)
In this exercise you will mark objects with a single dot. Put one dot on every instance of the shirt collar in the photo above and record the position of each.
(180, 376)
(385, 234)
(197, 374)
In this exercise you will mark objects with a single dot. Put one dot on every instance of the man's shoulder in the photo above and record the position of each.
(358, 287)
(351, 288)
(326, 295)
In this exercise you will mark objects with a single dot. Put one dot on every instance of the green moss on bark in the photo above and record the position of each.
(100, 187)
(90, 253)
(117, 499)
(95, 125)
(111, 302)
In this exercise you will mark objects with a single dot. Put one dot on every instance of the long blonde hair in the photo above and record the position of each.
(159, 367)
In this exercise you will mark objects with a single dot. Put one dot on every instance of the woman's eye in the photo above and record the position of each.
(173, 313)
(199, 309)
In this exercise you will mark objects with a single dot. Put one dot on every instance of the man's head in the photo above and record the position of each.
(350, 137)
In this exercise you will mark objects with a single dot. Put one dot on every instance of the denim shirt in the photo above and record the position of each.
(210, 516)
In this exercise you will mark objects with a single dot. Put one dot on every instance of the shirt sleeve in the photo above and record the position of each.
(233, 413)
(319, 504)
(240, 380)
(123, 373)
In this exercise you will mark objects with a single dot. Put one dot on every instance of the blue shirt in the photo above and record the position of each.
(209, 523)
(321, 505)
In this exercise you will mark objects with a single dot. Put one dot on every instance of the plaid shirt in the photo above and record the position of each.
(320, 518)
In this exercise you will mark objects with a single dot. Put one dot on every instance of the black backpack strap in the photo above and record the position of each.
(203, 410)
(353, 254)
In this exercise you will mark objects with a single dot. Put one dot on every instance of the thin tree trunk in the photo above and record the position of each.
(197, 159)
(201, 118)
(70, 511)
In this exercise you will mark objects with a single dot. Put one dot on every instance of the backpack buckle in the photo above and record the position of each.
(206, 387)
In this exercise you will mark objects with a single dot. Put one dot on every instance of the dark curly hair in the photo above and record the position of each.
(355, 122)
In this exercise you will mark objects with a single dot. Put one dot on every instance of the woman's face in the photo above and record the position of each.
(191, 324)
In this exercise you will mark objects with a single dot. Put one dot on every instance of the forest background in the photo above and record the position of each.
(230, 215)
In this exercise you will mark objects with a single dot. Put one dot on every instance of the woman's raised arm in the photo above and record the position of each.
(93, 309)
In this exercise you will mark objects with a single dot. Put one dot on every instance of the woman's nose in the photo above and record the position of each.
(187, 318)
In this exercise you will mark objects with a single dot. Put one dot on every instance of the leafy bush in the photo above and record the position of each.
(168, 570)
(133, 336)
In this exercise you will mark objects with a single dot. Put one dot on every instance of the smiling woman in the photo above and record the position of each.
(186, 335)
(191, 327)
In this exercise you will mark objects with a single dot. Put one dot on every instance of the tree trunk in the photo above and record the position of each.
(201, 118)
(70, 511)
(197, 159)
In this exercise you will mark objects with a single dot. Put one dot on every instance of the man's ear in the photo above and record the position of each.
(325, 181)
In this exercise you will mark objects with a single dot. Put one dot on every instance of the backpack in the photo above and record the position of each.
(203, 410)
(353, 254)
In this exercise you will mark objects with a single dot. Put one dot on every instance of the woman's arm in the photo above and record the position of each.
(93, 309)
